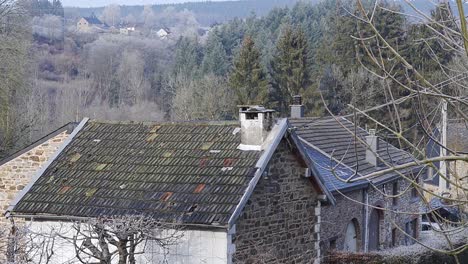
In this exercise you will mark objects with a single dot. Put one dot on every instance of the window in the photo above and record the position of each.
(414, 192)
(394, 237)
(333, 244)
(395, 192)
(414, 226)
(407, 234)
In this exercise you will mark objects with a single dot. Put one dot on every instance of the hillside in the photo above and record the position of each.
(206, 13)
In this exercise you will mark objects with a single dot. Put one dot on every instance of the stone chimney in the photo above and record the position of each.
(373, 147)
(256, 122)
(297, 108)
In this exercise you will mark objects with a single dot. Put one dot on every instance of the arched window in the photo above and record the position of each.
(375, 220)
(352, 236)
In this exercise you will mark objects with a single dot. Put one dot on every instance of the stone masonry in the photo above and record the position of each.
(406, 210)
(335, 219)
(16, 173)
(277, 224)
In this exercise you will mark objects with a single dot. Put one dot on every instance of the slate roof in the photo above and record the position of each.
(189, 172)
(330, 171)
(93, 20)
(329, 139)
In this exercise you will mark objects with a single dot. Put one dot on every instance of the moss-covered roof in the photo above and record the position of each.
(189, 172)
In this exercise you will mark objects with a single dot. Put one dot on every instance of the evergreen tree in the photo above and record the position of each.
(247, 78)
(215, 60)
(187, 58)
(57, 8)
(428, 50)
(291, 69)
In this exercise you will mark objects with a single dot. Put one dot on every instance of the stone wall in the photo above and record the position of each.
(405, 210)
(16, 173)
(278, 222)
(335, 219)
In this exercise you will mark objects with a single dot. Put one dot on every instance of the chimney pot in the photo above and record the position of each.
(297, 108)
(256, 123)
(297, 100)
(373, 148)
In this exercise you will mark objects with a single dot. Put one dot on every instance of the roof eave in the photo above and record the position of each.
(318, 178)
(51, 217)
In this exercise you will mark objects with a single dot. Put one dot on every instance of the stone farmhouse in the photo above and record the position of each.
(233, 186)
(257, 188)
(363, 218)
(91, 24)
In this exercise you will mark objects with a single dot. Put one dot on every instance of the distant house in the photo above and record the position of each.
(360, 220)
(241, 189)
(457, 170)
(130, 29)
(90, 24)
(163, 33)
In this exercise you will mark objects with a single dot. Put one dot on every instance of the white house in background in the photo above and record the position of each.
(163, 33)
(91, 24)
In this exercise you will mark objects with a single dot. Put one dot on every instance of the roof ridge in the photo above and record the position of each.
(167, 123)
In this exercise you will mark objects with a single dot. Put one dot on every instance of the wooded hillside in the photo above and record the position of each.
(57, 75)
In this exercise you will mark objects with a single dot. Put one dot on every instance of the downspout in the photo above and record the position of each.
(366, 226)
(318, 210)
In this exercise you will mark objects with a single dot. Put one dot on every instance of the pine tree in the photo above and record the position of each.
(291, 69)
(57, 8)
(247, 78)
(427, 48)
(215, 60)
(187, 58)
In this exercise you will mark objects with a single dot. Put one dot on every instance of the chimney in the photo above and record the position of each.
(373, 147)
(256, 123)
(297, 109)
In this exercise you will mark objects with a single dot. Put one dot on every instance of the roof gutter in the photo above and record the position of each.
(84, 219)
(39, 173)
(261, 165)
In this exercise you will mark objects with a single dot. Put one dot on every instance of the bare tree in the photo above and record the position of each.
(208, 98)
(111, 15)
(133, 84)
(104, 240)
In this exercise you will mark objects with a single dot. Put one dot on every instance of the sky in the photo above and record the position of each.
(96, 3)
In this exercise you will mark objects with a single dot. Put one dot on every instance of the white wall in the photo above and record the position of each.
(195, 246)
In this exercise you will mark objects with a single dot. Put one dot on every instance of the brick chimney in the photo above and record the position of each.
(297, 108)
(256, 122)
(373, 147)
